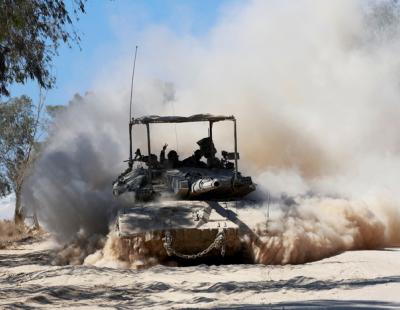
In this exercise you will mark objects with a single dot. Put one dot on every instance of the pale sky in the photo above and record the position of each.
(106, 24)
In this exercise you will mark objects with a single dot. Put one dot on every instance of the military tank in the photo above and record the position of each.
(182, 210)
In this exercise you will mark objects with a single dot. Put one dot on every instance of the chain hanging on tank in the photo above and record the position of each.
(218, 243)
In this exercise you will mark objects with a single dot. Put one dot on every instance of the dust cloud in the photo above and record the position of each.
(322, 227)
(315, 88)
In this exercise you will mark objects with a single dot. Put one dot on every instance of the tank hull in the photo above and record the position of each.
(191, 231)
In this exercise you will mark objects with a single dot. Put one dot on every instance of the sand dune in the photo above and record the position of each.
(366, 279)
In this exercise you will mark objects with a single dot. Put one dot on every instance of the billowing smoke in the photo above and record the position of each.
(315, 86)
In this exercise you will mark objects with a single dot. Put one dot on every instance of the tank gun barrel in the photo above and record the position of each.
(204, 185)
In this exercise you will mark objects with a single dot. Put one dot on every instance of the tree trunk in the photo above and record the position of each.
(18, 214)
(35, 220)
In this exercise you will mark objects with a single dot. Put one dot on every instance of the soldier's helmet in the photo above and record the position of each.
(173, 156)
(207, 147)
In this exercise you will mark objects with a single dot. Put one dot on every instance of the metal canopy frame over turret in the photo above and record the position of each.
(151, 119)
(155, 119)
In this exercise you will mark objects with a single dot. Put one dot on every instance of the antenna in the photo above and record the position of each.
(130, 161)
(133, 76)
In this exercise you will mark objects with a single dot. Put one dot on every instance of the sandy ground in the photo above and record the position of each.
(357, 279)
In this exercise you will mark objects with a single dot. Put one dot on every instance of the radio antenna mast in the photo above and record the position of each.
(133, 76)
(130, 161)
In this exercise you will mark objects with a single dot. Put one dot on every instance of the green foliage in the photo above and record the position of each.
(54, 110)
(30, 34)
(18, 126)
(21, 124)
(5, 187)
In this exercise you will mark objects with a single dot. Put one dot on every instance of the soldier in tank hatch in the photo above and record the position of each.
(208, 149)
(172, 160)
